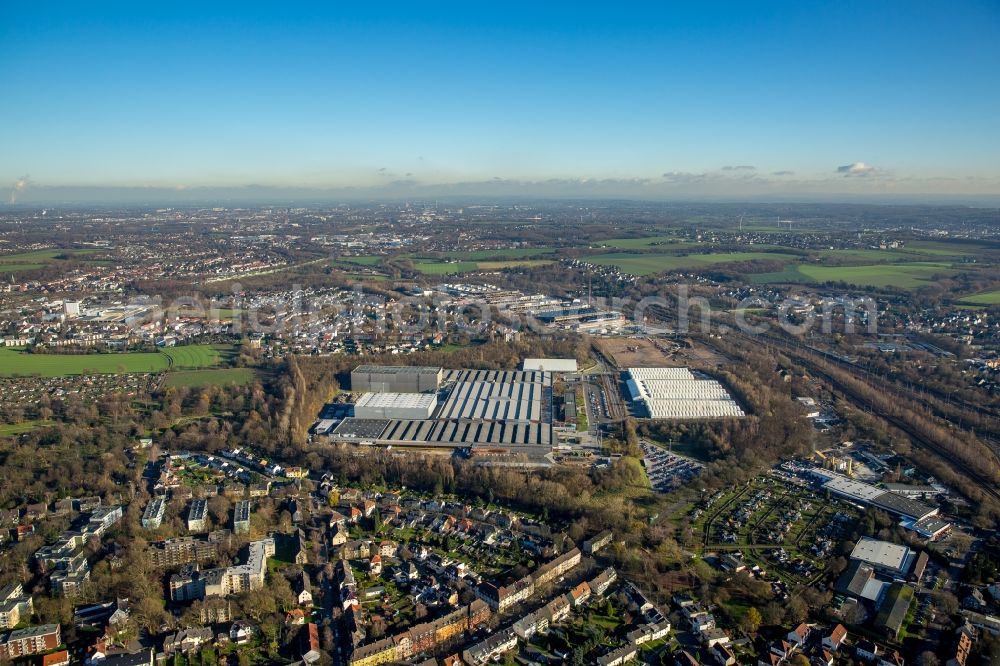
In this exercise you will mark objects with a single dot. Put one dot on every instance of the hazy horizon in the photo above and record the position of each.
(178, 102)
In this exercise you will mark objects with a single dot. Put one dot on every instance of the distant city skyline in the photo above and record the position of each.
(180, 102)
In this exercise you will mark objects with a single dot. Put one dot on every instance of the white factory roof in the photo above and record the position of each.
(882, 554)
(383, 400)
(676, 393)
(640, 374)
(550, 364)
(855, 489)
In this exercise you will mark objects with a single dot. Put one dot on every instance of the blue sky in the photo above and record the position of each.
(639, 100)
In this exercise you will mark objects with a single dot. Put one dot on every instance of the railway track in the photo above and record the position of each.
(984, 483)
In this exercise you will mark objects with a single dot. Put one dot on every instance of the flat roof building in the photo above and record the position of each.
(197, 515)
(676, 393)
(395, 379)
(549, 364)
(152, 517)
(241, 517)
(883, 555)
(865, 493)
(395, 406)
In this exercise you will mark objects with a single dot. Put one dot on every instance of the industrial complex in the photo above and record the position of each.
(432, 407)
(512, 412)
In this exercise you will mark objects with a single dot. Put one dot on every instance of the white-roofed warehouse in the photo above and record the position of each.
(395, 406)
(676, 393)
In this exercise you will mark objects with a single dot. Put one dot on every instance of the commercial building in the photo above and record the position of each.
(197, 515)
(395, 379)
(676, 393)
(889, 558)
(152, 517)
(395, 406)
(911, 511)
(549, 364)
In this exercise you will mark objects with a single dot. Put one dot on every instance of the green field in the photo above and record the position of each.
(902, 255)
(198, 378)
(901, 276)
(13, 363)
(638, 243)
(195, 356)
(983, 298)
(946, 248)
(11, 429)
(647, 264)
(17, 363)
(444, 268)
(30, 261)
(486, 255)
(365, 260)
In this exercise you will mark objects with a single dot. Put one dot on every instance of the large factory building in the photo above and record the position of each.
(395, 379)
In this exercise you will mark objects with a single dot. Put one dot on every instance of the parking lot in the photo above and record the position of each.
(667, 470)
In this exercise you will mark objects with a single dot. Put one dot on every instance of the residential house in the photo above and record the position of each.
(835, 638)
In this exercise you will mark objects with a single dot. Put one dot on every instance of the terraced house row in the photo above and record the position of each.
(422, 637)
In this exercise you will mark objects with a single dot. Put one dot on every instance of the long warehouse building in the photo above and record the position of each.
(676, 393)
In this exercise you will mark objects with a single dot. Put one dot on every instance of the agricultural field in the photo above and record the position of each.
(900, 276)
(648, 264)
(30, 261)
(894, 256)
(985, 298)
(486, 255)
(216, 377)
(638, 243)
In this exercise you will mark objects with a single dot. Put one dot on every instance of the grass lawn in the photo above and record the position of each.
(16, 363)
(217, 377)
(13, 363)
(647, 264)
(11, 429)
(196, 357)
(901, 276)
